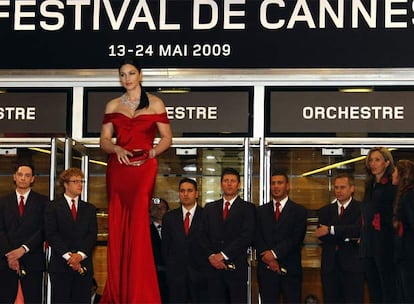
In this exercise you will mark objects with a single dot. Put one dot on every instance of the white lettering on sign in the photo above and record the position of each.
(54, 15)
(17, 113)
(192, 113)
(353, 112)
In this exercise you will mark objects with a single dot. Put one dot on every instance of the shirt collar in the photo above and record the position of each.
(345, 205)
(69, 200)
(24, 195)
(231, 201)
(192, 210)
(282, 202)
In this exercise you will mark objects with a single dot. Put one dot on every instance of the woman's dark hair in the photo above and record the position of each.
(130, 60)
(405, 170)
(143, 100)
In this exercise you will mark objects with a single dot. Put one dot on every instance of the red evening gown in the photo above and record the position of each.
(132, 275)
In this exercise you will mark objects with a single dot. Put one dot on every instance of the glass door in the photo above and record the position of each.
(311, 171)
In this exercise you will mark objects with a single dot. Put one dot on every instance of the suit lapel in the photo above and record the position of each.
(14, 204)
(233, 208)
(67, 209)
(179, 221)
(194, 220)
(333, 213)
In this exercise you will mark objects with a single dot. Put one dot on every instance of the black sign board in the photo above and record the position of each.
(35, 112)
(326, 111)
(93, 34)
(198, 112)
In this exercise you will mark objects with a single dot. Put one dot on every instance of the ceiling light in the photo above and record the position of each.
(338, 164)
(333, 166)
(173, 90)
(356, 90)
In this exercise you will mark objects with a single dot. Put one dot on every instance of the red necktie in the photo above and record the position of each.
(21, 205)
(341, 213)
(226, 210)
(187, 222)
(73, 210)
(277, 211)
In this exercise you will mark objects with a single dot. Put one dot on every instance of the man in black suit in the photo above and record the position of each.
(71, 228)
(281, 228)
(158, 209)
(227, 232)
(339, 230)
(184, 260)
(22, 239)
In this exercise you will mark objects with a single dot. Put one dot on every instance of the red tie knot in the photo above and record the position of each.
(226, 209)
(21, 205)
(341, 212)
(277, 210)
(74, 211)
(187, 222)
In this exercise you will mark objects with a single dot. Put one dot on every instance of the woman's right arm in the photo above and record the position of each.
(109, 147)
(106, 143)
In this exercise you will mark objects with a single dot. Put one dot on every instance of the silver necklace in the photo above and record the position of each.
(132, 104)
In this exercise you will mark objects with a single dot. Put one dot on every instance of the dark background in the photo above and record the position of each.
(252, 47)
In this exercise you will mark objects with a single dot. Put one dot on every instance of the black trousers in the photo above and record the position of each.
(71, 287)
(32, 286)
(380, 275)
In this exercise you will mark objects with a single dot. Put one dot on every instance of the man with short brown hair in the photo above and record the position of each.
(21, 238)
(71, 230)
(227, 232)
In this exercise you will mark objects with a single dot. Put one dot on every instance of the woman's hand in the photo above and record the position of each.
(122, 155)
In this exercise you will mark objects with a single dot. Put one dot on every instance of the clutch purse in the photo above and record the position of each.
(138, 155)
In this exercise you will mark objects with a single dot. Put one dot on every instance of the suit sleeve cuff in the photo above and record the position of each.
(84, 256)
(26, 249)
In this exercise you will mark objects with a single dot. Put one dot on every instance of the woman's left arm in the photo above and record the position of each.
(164, 129)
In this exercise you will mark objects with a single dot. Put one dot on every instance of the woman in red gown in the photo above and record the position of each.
(134, 118)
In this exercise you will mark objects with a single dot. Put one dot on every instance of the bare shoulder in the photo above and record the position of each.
(112, 105)
(156, 104)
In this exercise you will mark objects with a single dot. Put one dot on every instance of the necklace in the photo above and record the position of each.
(132, 104)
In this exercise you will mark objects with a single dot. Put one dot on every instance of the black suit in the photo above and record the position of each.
(16, 231)
(285, 238)
(233, 237)
(159, 261)
(404, 248)
(341, 266)
(186, 265)
(377, 237)
(66, 235)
